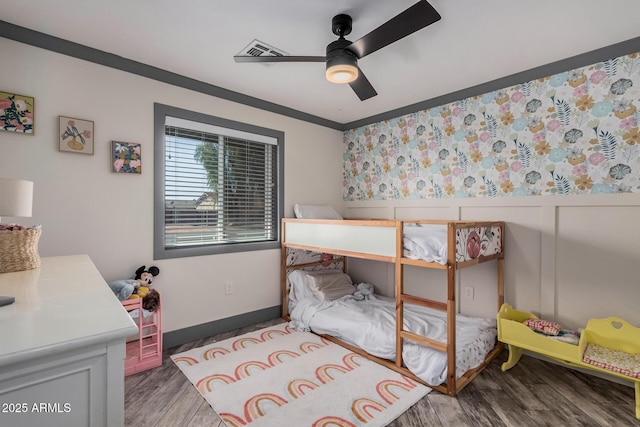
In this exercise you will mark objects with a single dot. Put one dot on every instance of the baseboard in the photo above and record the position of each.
(193, 333)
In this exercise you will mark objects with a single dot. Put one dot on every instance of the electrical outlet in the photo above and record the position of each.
(228, 288)
(468, 292)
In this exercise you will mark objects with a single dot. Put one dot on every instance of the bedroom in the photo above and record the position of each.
(84, 208)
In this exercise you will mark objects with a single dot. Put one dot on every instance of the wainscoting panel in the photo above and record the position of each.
(567, 258)
(598, 263)
(435, 212)
(371, 213)
(522, 241)
(379, 274)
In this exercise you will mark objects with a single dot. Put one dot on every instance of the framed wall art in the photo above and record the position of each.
(76, 135)
(126, 157)
(17, 113)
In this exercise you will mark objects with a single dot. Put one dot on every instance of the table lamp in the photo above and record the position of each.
(18, 244)
(16, 197)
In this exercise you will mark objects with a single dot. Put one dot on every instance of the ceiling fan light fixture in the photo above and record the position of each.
(342, 73)
(342, 55)
(341, 67)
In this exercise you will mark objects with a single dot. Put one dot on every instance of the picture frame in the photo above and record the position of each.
(126, 157)
(75, 135)
(17, 113)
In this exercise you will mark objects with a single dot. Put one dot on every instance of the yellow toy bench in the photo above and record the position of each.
(610, 346)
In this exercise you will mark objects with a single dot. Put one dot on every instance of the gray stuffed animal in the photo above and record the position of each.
(363, 291)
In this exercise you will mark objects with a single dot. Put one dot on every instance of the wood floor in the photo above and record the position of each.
(533, 393)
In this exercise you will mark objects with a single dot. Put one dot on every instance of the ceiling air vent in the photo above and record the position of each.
(258, 48)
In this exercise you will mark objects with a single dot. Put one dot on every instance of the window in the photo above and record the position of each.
(218, 185)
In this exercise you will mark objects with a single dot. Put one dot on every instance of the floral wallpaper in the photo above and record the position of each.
(571, 133)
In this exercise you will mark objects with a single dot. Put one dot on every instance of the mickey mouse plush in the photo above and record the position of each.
(135, 288)
(145, 278)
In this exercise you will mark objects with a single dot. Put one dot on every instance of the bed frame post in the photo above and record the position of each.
(500, 282)
(501, 268)
(399, 291)
(284, 297)
(451, 310)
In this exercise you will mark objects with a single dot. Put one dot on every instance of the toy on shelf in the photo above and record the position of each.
(610, 346)
(144, 350)
(138, 287)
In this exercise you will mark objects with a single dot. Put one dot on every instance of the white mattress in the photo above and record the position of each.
(370, 325)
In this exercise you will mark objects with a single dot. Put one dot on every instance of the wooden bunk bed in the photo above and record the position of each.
(383, 240)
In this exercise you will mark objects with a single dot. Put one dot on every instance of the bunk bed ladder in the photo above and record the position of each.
(149, 344)
(449, 307)
(453, 384)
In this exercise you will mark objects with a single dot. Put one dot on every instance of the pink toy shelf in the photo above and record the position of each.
(144, 351)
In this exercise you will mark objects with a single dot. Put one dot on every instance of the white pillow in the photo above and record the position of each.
(315, 212)
(299, 289)
(327, 287)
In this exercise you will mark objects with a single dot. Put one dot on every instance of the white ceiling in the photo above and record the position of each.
(475, 42)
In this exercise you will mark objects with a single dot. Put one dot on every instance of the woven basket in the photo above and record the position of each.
(19, 250)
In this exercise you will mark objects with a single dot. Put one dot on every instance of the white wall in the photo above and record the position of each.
(84, 208)
(567, 258)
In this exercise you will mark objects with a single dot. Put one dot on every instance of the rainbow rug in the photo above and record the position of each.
(279, 377)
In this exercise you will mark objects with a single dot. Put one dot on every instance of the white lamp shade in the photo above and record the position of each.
(16, 197)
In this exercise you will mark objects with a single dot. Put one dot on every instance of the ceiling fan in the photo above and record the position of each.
(342, 55)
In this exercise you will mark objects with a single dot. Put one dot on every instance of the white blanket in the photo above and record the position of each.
(370, 325)
(426, 242)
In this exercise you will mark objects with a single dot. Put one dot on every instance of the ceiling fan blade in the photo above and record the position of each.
(408, 22)
(362, 87)
(269, 58)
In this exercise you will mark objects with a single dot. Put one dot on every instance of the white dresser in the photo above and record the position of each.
(62, 347)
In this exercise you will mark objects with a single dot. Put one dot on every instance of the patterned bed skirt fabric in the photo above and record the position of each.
(613, 360)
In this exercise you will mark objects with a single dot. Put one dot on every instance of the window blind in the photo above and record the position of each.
(219, 187)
